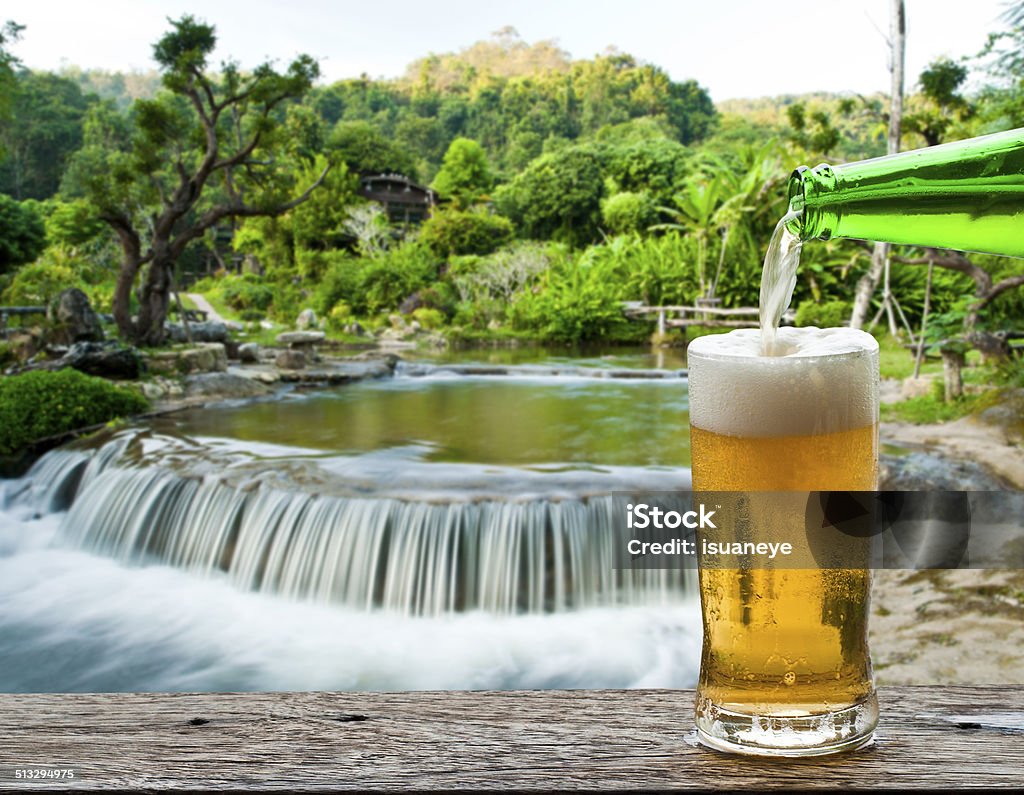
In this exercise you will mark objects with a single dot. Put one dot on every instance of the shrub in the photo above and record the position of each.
(41, 404)
(578, 301)
(39, 283)
(251, 315)
(628, 212)
(373, 284)
(454, 232)
(429, 318)
(246, 292)
(22, 232)
(826, 315)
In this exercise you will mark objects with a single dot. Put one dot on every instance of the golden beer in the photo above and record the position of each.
(785, 668)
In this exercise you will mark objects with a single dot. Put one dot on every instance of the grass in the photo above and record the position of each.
(930, 409)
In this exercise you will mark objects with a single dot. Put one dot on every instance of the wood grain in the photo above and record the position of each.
(930, 737)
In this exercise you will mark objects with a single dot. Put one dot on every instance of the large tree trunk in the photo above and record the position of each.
(154, 301)
(898, 44)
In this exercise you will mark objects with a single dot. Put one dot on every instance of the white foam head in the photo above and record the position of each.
(822, 381)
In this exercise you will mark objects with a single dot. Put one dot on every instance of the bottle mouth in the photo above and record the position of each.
(797, 201)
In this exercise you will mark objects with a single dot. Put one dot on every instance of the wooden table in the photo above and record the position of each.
(930, 737)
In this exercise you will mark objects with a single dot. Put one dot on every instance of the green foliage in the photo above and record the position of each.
(42, 131)
(813, 130)
(428, 317)
(38, 284)
(465, 176)
(246, 291)
(577, 300)
(389, 278)
(628, 212)
(557, 197)
(362, 146)
(40, 404)
(827, 315)
(369, 285)
(22, 233)
(73, 223)
(453, 232)
(930, 409)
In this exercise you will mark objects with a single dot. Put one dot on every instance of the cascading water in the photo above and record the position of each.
(155, 559)
(408, 555)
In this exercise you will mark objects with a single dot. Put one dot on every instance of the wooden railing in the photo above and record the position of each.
(685, 316)
(929, 737)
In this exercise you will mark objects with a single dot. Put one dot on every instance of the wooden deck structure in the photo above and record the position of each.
(929, 738)
(684, 316)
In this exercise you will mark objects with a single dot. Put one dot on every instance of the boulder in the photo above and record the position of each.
(300, 338)
(73, 318)
(224, 385)
(290, 360)
(920, 471)
(206, 331)
(249, 353)
(306, 320)
(208, 357)
(108, 360)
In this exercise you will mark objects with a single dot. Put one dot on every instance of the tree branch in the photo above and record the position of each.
(1000, 287)
(955, 261)
(239, 210)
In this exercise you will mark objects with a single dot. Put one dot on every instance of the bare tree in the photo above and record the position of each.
(897, 44)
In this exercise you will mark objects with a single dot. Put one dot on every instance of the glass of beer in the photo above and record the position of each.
(785, 668)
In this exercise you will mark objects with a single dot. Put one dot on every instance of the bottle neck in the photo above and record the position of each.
(966, 195)
(812, 194)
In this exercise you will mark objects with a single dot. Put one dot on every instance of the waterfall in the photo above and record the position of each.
(416, 556)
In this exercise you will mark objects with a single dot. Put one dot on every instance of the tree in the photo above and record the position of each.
(880, 255)
(465, 176)
(201, 153)
(365, 149)
(1003, 104)
(22, 233)
(558, 196)
(941, 103)
(43, 130)
(10, 32)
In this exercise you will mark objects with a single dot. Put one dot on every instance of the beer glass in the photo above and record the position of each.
(785, 668)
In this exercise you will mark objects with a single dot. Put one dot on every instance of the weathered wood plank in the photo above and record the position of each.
(930, 737)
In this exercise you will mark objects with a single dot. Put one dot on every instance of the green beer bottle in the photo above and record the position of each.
(967, 195)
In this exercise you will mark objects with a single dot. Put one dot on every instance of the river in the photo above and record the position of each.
(429, 531)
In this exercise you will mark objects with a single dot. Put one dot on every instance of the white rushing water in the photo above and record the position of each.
(88, 604)
(778, 279)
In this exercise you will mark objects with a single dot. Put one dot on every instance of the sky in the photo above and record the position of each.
(734, 48)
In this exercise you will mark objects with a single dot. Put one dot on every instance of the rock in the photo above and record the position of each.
(206, 358)
(108, 360)
(207, 331)
(415, 326)
(231, 349)
(74, 318)
(224, 385)
(300, 338)
(926, 472)
(411, 304)
(290, 360)
(249, 353)
(153, 390)
(1008, 414)
(306, 320)
(916, 387)
(355, 329)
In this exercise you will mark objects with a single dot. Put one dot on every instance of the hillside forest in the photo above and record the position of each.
(557, 189)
